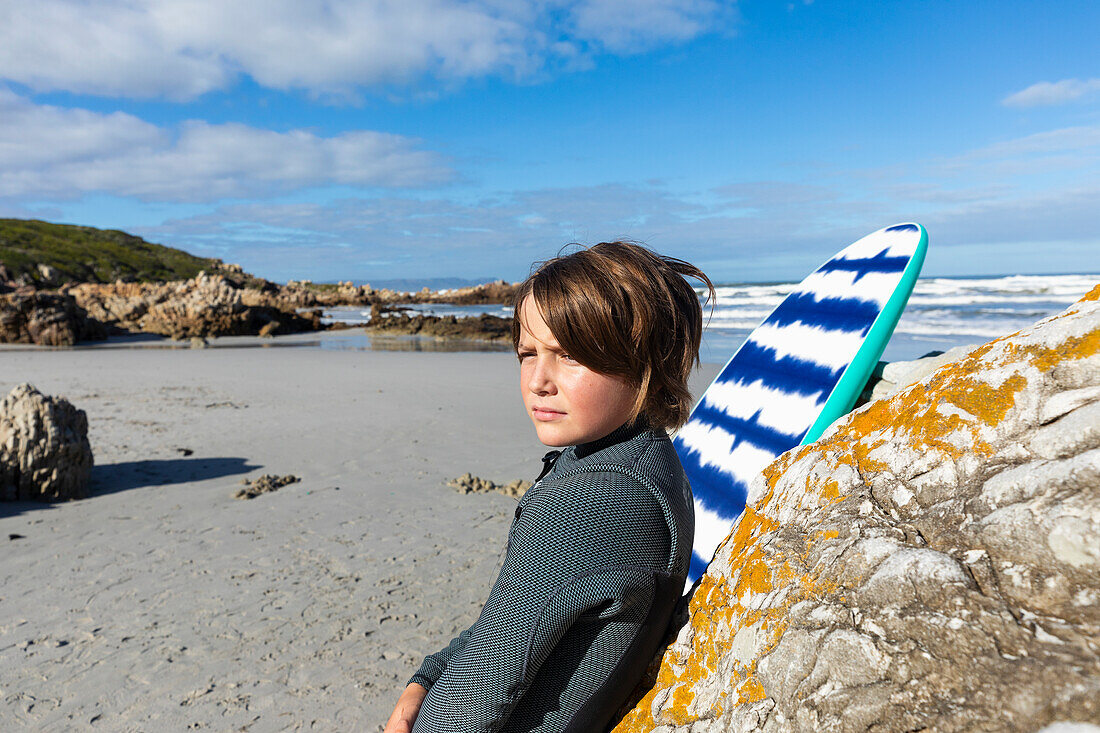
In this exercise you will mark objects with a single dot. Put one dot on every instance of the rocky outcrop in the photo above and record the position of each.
(221, 301)
(931, 563)
(479, 328)
(7, 279)
(46, 319)
(499, 292)
(207, 305)
(306, 294)
(227, 302)
(44, 448)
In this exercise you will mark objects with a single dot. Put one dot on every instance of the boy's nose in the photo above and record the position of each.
(541, 381)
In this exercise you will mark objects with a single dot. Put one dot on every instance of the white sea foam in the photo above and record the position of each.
(940, 307)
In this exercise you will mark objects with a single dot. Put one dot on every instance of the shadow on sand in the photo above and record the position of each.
(115, 477)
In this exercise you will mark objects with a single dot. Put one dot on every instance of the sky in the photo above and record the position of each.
(384, 139)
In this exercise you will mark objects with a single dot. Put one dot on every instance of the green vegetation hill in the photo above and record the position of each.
(87, 254)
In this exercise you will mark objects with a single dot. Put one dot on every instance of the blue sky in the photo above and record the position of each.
(434, 138)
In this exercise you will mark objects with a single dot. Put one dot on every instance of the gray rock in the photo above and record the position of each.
(44, 448)
(50, 275)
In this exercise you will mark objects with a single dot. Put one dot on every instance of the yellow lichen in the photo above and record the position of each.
(988, 404)
(1075, 347)
(716, 614)
(751, 691)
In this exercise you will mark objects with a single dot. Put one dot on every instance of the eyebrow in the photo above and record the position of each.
(529, 346)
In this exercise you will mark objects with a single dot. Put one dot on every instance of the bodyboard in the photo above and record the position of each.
(799, 371)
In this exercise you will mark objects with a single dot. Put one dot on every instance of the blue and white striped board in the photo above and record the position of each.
(800, 370)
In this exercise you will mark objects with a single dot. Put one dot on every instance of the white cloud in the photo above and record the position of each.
(183, 48)
(51, 151)
(1064, 214)
(764, 195)
(628, 25)
(1068, 154)
(1001, 198)
(1065, 139)
(497, 236)
(12, 210)
(1047, 93)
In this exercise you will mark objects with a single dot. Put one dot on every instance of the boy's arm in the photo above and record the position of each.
(566, 558)
(404, 713)
(408, 705)
(434, 664)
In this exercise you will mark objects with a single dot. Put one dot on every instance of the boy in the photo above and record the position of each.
(598, 552)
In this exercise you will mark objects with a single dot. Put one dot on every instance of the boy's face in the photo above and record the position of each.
(568, 402)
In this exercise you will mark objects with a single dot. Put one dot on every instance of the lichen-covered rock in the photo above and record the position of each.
(44, 448)
(931, 563)
(891, 377)
(46, 319)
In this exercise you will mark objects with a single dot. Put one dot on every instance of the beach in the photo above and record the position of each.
(161, 602)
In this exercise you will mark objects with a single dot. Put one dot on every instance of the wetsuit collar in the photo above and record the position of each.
(618, 435)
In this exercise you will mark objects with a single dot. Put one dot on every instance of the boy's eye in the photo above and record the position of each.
(524, 354)
(567, 357)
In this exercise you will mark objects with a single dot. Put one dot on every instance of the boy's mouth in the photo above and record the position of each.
(545, 413)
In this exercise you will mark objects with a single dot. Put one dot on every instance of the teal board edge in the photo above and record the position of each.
(851, 383)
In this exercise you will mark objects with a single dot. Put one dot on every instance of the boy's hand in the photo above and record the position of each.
(406, 710)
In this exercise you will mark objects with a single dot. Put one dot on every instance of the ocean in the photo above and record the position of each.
(943, 312)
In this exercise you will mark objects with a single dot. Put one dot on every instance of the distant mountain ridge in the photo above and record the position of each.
(48, 254)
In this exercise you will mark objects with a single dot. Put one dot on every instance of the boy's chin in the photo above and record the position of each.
(554, 441)
(552, 436)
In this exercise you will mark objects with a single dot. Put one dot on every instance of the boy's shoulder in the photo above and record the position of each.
(645, 462)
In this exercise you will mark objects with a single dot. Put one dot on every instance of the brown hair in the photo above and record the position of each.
(621, 309)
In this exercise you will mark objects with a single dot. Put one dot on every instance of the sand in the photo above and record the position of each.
(163, 603)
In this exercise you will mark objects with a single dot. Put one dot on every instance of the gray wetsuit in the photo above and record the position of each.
(596, 561)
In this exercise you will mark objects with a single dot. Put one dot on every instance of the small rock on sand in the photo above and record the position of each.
(265, 484)
(471, 484)
(44, 448)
